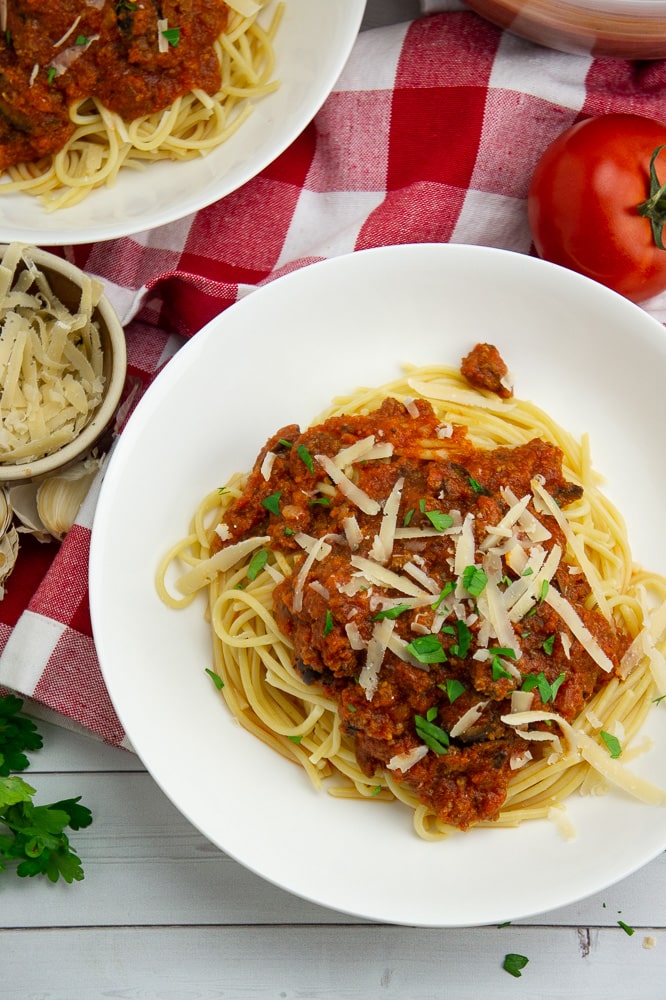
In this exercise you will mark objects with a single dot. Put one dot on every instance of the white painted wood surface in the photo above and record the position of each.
(163, 915)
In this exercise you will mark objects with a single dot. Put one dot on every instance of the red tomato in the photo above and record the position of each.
(583, 203)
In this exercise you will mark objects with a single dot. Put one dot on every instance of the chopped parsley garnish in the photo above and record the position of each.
(447, 589)
(285, 443)
(453, 688)
(544, 590)
(257, 563)
(391, 613)
(272, 503)
(216, 679)
(172, 36)
(547, 691)
(514, 963)
(612, 743)
(439, 520)
(548, 645)
(321, 501)
(81, 40)
(305, 457)
(499, 672)
(427, 649)
(289, 531)
(626, 928)
(295, 739)
(328, 623)
(407, 520)
(434, 737)
(474, 580)
(461, 647)
(477, 487)
(51, 74)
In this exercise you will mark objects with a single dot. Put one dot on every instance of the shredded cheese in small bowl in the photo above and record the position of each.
(62, 362)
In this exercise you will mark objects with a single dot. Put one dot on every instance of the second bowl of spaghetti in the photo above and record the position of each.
(401, 570)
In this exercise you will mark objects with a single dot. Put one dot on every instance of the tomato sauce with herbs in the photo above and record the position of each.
(55, 54)
(466, 780)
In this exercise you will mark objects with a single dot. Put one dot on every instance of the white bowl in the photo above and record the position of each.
(65, 280)
(593, 360)
(312, 45)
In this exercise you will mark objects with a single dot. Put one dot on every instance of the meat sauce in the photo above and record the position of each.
(466, 781)
(111, 53)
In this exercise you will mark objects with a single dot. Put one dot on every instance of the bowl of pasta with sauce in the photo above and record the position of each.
(398, 584)
(62, 363)
(121, 117)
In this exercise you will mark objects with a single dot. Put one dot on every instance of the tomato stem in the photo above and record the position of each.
(654, 207)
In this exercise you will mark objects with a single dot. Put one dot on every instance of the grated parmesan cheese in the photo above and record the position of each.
(51, 360)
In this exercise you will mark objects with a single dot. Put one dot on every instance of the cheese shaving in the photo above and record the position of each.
(382, 577)
(570, 617)
(205, 572)
(382, 546)
(577, 548)
(347, 487)
(369, 676)
(403, 761)
(466, 721)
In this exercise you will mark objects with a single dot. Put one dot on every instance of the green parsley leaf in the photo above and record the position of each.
(81, 40)
(257, 563)
(499, 672)
(305, 457)
(447, 589)
(439, 520)
(328, 623)
(216, 679)
(427, 649)
(295, 739)
(391, 613)
(408, 517)
(454, 688)
(626, 928)
(376, 790)
(16, 735)
(285, 443)
(321, 501)
(544, 590)
(435, 738)
(506, 651)
(272, 503)
(461, 648)
(547, 692)
(474, 580)
(612, 743)
(548, 645)
(514, 963)
(172, 36)
(51, 74)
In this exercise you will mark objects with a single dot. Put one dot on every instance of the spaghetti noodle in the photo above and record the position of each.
(392, 609)
(121, 85)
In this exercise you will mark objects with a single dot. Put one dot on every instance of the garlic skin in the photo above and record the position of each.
(59, 497)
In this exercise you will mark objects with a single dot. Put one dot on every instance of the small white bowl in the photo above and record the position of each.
(65, 280)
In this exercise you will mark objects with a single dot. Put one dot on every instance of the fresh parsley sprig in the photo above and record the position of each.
(31, 836)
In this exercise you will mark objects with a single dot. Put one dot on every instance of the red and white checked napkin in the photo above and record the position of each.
(430, 135)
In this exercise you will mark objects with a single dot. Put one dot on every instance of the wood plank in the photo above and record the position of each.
(334, 963)
(145, 864)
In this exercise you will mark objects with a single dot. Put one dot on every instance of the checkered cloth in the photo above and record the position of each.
(430, 135)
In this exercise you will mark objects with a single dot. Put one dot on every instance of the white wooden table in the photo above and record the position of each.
(163, 915)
